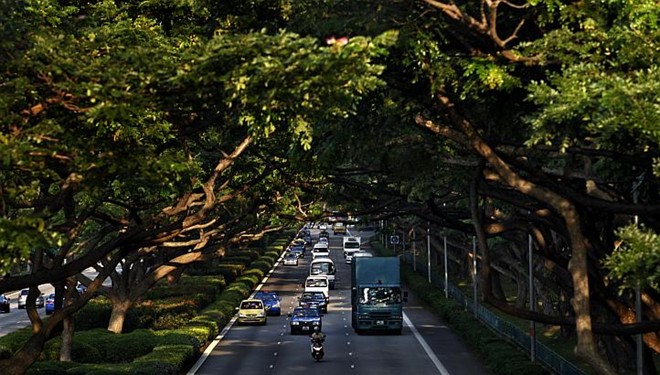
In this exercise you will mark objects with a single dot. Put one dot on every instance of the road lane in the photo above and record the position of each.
(273, 350)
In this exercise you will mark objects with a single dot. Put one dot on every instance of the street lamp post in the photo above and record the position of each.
(428, 250)
(532, 301)
(474, 274)
(446, 266)
(414, 250)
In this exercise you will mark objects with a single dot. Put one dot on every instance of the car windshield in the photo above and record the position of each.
(323, 268)
(312, 296)
(267, 297)
(306, 313)
(251, 305)
(380, 295)
(316, 283)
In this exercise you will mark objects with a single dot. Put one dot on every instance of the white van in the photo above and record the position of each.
(323, 266)
(351, 245)
(318, 283)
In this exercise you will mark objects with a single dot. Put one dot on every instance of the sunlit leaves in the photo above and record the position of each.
(636, 262)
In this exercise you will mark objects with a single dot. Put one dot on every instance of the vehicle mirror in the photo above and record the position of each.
(289, 315)
(405, 294)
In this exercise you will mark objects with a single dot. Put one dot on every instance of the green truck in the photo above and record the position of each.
(376, 296)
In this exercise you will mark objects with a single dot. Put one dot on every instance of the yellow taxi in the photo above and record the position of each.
(251, 311)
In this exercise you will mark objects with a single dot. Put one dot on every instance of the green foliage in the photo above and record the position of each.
(172, 355)
(82, 351)
(636, 262)
(96, 314)
(11, 343)
(53, 367)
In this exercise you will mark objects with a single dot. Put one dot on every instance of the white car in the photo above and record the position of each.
(318, 283)
(290, 259)
(320, 250)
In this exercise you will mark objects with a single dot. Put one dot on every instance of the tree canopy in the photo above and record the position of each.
(153, 127)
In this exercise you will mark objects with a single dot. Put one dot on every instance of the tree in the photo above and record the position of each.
(121, 135)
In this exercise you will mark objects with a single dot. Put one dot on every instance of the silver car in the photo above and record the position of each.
(290, 259)
(22, 299)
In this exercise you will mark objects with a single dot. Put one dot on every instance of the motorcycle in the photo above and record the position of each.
(317, 350)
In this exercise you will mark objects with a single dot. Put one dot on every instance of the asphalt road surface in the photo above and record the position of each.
(426, 346)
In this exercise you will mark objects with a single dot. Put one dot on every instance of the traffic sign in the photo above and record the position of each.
(394, 240)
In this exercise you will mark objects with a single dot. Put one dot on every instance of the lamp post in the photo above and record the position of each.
(414, 250)
(446, 271)
(428, 250)
(532, 301)
(474, 273)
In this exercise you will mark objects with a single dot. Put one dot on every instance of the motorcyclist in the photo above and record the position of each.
(317, 336)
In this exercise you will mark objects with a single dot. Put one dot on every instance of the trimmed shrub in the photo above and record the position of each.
(12, 342)
(51, 368)
(236, 259)
(83, 352)
(119, 348)
(95, 314)
(175, 355)
(231, 271)
(252, 254)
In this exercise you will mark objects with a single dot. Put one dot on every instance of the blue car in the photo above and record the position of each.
(50, 304)
(305, 320)
(271, 302)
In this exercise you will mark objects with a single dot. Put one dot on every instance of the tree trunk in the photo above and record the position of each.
(586, 347)
(68, 323)
(67, 339)
(118, 315)
(498, 290)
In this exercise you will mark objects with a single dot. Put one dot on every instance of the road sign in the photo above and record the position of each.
(394, 240)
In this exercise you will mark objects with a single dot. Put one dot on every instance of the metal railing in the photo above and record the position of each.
(514, 334)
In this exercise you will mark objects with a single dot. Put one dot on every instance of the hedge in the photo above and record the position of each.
(146, 351)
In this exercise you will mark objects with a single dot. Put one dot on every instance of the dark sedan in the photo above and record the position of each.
(305, 320)
(314, 299)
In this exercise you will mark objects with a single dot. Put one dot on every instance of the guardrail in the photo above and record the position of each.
(514, 334)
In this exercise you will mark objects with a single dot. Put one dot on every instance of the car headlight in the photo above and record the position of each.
(316, 323)
(241, 315)
(295, 323)
(363, 316)
(260, 315)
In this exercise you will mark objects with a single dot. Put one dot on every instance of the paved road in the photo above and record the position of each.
(17, 319)
(426, 346)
